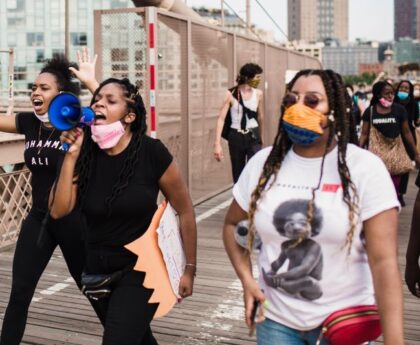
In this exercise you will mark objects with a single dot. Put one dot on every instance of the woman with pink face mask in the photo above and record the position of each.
(385, 121)
(113, 173)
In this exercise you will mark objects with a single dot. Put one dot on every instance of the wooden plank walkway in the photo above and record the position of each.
(59, 313)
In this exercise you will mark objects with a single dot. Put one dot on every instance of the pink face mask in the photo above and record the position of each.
(107, 136)
(385, 103)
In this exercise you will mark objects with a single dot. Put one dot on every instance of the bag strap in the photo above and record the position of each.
(319, 339)
(250, 113)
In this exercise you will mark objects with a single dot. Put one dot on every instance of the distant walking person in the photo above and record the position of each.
(385, 125)
(404, 95)
(241, 119)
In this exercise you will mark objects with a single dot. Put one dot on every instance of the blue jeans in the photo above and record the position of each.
(270, 332)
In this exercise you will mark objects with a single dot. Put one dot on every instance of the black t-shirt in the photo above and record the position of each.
(43, 154)
(133, 209)
(388, 124)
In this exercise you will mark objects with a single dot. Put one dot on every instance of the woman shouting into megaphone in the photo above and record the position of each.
(113, 172)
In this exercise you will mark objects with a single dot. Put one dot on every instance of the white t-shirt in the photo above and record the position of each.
(236, 111)
(306, 282)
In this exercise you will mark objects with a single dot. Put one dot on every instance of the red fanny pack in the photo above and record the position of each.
(352, 326)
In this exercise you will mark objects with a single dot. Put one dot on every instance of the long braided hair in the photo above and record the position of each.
(342, 127)
(89, 148)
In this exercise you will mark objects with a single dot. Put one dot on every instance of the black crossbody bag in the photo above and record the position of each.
(96, 286)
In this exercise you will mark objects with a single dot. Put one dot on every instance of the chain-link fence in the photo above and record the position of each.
(194, 64)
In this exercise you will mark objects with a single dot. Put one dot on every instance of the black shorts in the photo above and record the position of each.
(418, 180)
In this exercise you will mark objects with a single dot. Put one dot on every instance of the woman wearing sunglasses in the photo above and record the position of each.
(326, 207)
(386, 122)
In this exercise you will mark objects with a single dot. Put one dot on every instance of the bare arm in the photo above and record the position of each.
(240, 259)
(63, 196)
(381, 245)
(218, 152)
(8, 121)
(260, 114)
(412, 269)
(364, 135)
(175, 190)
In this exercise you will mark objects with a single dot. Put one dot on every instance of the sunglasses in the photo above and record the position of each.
(310, 100)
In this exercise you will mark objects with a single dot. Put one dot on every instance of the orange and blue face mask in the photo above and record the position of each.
(303, 124)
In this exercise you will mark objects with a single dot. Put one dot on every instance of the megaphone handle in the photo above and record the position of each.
(66, 147)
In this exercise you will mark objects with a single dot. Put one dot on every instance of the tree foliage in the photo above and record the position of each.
(366, 78)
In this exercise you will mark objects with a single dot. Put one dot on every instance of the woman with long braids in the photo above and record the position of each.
(326, 207)
(243, 114)
(43, 154)
(113, 172)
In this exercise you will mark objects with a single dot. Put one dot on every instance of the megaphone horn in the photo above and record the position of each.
(65, 112)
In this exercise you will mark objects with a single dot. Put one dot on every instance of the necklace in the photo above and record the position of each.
(39, 138)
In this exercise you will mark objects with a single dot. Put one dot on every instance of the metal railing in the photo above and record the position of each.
(15, 202)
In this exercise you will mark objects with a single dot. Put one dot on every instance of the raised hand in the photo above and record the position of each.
(86, 71)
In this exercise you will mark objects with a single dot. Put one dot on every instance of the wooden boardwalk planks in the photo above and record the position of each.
(213, 315)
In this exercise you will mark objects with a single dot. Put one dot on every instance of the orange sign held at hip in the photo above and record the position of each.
(151, 261)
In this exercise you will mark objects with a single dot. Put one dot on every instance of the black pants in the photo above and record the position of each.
(29, 263)
(404, 183)
(241, 148)
(127, 312)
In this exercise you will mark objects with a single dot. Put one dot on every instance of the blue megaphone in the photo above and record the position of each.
(65, 112)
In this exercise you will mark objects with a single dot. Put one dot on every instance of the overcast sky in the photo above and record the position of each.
(369, 19)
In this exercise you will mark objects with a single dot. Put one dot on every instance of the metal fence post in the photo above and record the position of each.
(151, 56)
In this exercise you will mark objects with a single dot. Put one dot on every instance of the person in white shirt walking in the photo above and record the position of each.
(327, 214)
(241, 119)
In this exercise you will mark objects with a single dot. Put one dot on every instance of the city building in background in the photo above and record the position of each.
(233, 23)
(312, 49)
(406, 51)
(35, 29)
(347, 58)
(406, 19)
(316, 20)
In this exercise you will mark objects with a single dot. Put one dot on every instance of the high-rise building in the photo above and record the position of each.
(35, 29)
(406, 19)
(315, 20)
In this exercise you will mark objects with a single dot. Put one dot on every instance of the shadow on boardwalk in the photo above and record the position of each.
(59, 314)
